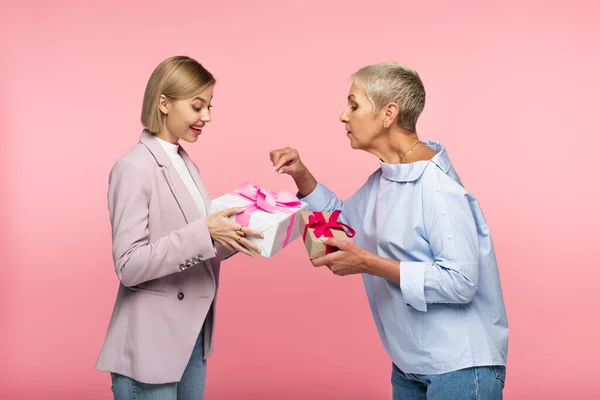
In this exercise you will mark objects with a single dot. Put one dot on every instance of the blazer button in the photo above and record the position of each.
(181, 267)
(180, 296)
(188, 263)
(200, 258)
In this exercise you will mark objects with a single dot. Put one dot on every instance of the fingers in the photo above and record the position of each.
(283, 157)
(284, 160)
(321, 261)
(252, 232)
(333, 242)
(242, 249)
(249, 245)
(231, 211)
(243, 246)
(227, 246)
(275, 154)
(285, 170)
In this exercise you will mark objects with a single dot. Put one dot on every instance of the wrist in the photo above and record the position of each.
(368, 262)
(301, 176)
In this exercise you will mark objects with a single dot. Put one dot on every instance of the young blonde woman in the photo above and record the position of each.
(422, 245)
(166, 248)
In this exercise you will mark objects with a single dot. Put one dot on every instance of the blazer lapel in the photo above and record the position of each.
(178, 188)
(197, 178)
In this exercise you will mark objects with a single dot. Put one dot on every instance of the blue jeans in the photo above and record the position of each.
(477, 383)
(190, 387)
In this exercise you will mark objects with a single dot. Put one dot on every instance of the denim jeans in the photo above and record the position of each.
(191, 386)
(477, 383)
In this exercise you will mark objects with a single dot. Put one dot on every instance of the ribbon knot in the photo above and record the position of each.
(265, 200)
(322, 226)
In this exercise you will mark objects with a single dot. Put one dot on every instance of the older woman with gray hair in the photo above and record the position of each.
(422, 246)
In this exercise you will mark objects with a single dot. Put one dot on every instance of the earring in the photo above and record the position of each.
(384, 125)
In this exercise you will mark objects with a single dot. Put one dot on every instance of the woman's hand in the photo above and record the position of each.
(230, 234)
(350, 259)
(287, 161)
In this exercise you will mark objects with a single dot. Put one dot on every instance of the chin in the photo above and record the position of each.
(190, 139)
(355, 145)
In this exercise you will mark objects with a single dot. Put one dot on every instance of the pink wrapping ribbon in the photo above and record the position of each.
(323, 227)
(265, 200)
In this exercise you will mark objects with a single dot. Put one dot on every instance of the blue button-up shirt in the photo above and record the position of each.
(447, 312)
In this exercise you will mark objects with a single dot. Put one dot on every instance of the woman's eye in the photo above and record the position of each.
(353, 108)
(196, 109)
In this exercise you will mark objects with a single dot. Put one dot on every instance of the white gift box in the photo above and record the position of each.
(279, 226)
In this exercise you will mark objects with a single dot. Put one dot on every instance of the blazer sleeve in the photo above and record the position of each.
(136, 259)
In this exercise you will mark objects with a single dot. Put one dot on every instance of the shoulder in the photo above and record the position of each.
(435, 181)
(134, 167)
(138, 158)
(374, 177)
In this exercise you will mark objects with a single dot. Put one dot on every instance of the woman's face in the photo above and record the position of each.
(185, 118)
(362, 127)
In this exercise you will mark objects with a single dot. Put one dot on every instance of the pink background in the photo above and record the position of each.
(512, 92)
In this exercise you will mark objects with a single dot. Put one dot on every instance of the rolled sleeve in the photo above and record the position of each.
(412, 284)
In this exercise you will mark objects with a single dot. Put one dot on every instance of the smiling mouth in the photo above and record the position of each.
(196, 129)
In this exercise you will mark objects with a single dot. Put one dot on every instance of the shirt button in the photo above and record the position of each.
(449, 236)
(444, 212)
(180, 296)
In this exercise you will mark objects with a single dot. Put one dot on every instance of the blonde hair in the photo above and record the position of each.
(393, 82)
(178, 77)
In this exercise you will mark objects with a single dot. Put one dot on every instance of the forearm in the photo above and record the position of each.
(305, 183)
(427, 283)
(382, 267)
(179, 250)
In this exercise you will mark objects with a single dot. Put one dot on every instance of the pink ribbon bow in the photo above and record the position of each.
(322, 226)
(263, 199)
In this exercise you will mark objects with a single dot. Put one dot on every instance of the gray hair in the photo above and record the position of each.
(392, 82)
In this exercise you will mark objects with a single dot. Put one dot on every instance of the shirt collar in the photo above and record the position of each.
(171, 149)
(412, 171)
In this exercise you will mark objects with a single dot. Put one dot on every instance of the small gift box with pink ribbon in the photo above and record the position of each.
(274, 214)
(315, 225)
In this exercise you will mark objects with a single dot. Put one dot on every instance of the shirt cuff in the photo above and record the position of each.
(318, 199)
(412, 284)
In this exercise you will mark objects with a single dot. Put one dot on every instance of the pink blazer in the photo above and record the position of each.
(167, 265)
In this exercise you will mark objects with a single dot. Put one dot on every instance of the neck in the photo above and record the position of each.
(392, 146)
(167, 137)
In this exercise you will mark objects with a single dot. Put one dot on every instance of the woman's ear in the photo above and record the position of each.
(391, 111)
(163, 104)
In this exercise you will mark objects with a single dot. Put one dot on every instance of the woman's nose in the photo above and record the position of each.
(344, 117)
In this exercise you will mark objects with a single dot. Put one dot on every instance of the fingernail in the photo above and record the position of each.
(280, 171)
(274, 168)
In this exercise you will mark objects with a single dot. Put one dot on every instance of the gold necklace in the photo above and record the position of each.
(409, 151)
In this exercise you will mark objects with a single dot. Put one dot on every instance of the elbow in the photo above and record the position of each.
(125, 271)
(465, 292)
(464, 280)
(126, 279)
